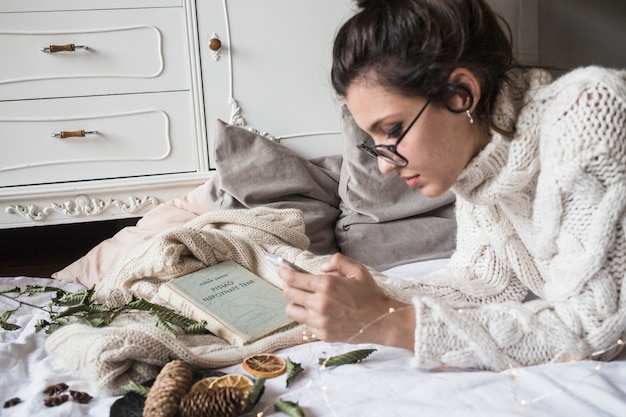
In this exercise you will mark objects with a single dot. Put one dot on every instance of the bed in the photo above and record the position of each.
(341, 206)
(382, 384)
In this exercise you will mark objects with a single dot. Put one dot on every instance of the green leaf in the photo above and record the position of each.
(293, 369)
(73, 311)
(4, 321)
(255, 392)
(77, 298)
(162, 324)
(96, 322)
(98, 308)
(38, 289)
(12, 290)
(136, 388)
(288, 407)
(346, 358)
(41, 324)
(196, 328)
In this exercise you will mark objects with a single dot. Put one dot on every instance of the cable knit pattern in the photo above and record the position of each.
(132, 348)
(544, 212)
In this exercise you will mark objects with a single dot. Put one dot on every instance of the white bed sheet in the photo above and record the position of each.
(384, 384)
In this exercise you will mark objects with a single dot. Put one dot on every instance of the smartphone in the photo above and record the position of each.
(283, 262)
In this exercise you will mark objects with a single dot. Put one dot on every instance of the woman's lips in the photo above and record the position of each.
(413, 181)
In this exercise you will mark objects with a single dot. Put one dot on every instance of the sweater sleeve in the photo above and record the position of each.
(578, 250)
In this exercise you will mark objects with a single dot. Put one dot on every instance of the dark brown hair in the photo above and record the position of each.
(412, 46)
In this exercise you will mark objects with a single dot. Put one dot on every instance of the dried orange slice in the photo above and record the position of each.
(265, 365)
(204, 384)
(232, 380)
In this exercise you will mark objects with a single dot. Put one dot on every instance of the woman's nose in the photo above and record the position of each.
(384, 166)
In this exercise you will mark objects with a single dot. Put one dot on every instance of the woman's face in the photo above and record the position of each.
(437, 147)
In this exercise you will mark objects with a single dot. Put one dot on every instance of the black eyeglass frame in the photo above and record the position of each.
(401, 161)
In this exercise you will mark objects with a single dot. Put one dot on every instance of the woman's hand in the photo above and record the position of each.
(347, 305)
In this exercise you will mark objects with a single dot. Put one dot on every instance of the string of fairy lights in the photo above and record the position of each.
(514, 372)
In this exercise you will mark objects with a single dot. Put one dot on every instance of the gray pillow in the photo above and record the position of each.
(383, 223)
(255, 171)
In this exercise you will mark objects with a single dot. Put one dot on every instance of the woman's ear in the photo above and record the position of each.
(467, 90)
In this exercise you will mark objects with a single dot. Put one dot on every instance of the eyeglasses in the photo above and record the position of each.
(390, 152)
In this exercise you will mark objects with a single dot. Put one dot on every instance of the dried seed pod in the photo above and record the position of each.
(170, 385)
(54, 400)
(214, 402)
(81, 397)
(12, 402)
(55, 388)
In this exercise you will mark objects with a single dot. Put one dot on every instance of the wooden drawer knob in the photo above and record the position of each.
(70, 47)
(73, 133)
(215, 44)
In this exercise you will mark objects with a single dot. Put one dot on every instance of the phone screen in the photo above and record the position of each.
(283, 262)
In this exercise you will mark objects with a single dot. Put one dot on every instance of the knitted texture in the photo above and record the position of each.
(132, 348)
(541, 214)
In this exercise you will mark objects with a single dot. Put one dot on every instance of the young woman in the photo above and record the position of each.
(539, 170)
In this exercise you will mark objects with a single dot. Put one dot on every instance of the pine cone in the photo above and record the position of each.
(215, 402)
(172, 383)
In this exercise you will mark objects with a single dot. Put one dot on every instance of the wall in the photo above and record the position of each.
(582, 32)
(521, 17)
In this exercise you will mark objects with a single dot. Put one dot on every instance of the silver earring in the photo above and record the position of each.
(469, 116)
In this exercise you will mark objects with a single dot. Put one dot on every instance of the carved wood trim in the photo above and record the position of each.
(82, 206)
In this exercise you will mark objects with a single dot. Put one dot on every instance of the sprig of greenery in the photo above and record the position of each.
(67, 307)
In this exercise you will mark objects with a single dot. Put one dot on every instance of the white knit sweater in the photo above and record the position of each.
(541, 214)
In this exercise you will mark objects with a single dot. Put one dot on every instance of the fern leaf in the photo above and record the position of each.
(5, 324)
(98, 308)
(346, 358)
(56, 324)
(162, 324)
(173, 317)
(41, 324)
(12, 290)
(136, 388)
(73, 311)
(38, 289)
(196, 328)
(81, 297)
(96, 322)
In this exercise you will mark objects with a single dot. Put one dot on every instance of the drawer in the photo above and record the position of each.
(126, 51)
(49, 5)
(136, 135)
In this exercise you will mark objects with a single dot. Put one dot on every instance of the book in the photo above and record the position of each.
(237, 305)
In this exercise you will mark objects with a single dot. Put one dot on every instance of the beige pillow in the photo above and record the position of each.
(255, 171)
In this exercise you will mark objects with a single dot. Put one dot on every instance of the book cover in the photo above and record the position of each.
(238, 305)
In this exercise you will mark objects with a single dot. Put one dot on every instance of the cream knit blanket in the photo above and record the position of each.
(132, 348)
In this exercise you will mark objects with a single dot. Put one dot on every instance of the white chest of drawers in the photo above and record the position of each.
(108, 126)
